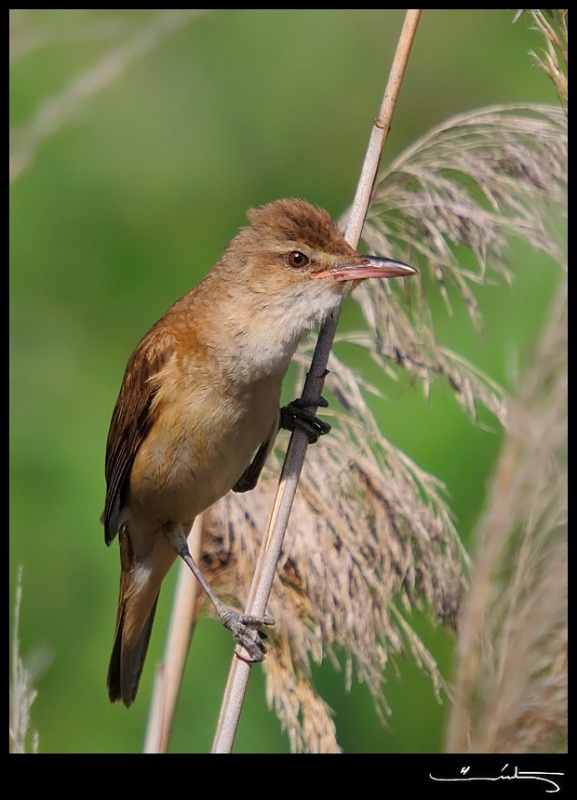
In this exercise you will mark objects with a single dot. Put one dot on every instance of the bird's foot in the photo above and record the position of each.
(298, 416)
(245, 629)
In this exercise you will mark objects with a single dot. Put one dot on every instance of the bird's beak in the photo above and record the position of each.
(368, 267)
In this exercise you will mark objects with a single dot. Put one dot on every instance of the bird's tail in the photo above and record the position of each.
(140, 581)
(127, 658)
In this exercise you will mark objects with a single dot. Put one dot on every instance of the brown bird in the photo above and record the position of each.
(200, 398)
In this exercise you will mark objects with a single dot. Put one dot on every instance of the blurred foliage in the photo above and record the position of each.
(122, 203)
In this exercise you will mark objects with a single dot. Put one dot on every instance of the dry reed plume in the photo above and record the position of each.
(511, 681)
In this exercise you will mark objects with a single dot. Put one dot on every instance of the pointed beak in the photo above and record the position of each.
(368, 267)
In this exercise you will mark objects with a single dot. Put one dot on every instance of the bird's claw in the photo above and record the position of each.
(298, 416)
(245, 629)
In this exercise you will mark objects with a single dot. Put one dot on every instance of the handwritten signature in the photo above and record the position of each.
(546, 777)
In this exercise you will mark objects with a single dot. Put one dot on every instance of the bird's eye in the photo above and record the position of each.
(297, 260)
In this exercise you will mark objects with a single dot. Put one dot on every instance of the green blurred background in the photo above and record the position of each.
(131, 185)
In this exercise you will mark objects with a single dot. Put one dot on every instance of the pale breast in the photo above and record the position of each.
(199, 447)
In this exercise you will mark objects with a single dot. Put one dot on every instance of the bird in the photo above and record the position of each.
(199, 406)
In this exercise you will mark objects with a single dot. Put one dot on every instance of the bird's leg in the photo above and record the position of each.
(298, 416)
(294, 415)
(244, 627)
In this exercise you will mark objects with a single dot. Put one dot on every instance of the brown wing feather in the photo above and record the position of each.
(132, 418)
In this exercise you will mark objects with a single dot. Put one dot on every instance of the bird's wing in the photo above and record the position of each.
(132, 418)
(249, 478)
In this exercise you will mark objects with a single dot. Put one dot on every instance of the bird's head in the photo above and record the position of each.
(287, 271)
(292, 244)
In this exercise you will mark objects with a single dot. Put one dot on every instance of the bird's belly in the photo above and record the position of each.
(197, 451)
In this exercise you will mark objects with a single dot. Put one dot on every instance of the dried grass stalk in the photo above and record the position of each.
(366, 529)
(24, 674)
